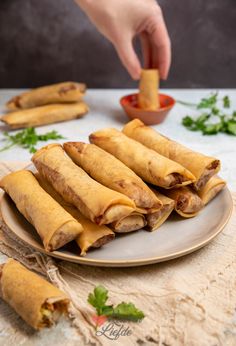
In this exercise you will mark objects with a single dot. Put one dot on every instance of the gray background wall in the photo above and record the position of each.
(47, 41)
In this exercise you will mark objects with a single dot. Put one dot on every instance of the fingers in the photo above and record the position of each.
(146, 50)
(128, 57)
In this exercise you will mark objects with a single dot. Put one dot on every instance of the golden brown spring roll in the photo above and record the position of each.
(93, 236)
(56, 93)
(201, 166)
(148, 98)
(149, 165)
(111, 172)
(187, 202)
(38, 302)
(44, 115)
(129, 223)
(156, 219)
(211, 189)
(55, 226)
(95, 201)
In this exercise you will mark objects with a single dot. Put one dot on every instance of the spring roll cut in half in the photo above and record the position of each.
(44, 115)
(211, 189)
(148, 98)
(129, 223)
(201, 166)
(56, 93)
(156, 219)
(95, 201)
(55, 226)
(39, 303)
(93, 236)
(187, 202)
(149, 165)
(111, 172)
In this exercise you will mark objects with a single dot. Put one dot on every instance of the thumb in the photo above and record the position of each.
(128, 57)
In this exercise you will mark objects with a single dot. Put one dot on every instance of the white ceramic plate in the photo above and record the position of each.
(175, 238)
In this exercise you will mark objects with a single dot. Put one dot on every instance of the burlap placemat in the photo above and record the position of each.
(186, 301)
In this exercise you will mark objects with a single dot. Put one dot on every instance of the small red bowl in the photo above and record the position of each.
(129, 104)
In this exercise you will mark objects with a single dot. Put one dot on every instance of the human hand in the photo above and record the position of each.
(121, 20)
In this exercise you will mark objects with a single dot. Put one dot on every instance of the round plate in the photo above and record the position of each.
(175, 238)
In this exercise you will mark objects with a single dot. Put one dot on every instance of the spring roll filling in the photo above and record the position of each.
(52, 311)
(188, 205)
(207, 174)
(153, 218)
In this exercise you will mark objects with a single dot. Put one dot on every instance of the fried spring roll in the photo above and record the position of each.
(149, 165)
(129, 223)
(156, 219)
(148, 98)
(201, 166)
(56, 93)
(93, 236)
(44, 115)
(211, 189)
(39, 303)
(187, 202)
(55, 226)
(111, 172)
(95, 201)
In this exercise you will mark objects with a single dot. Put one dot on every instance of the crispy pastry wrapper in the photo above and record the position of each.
(149, 165)
(111, 172)
(93, 236)
(39, 303)
(211, 189)
(156, 219)
(44, 115)
(55, 226)
(201, 166)
(129, 223)
(95, 201)
(187, 202)
(148, 98)
(65, 92)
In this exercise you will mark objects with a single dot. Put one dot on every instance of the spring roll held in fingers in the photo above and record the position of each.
(156, 219)
(187, 202)
(148, 98)
(56, 93)
(129, 223)
(211, 189)
(38, 302)
(93, 236)
(111, 172)
(201, 166)
(149, 165)
(44, 115)
(95, 201)
(55, 226)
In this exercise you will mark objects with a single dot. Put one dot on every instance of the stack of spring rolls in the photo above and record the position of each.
(46, 105)
(121, 182)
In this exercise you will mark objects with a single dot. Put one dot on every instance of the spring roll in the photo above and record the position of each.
(211, 189)
(156, 219)
(148, 98)
(55, 226)
(129, 223)
(95, 201)
(149, 165)
(93, 236)
(39, 303)
(201, 166)
(44, 115)
(111, 172)
(56, 93)
(187, 202)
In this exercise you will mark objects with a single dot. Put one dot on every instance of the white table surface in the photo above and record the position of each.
(105, 111)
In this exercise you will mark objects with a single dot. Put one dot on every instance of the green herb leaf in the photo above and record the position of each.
(226, 102)
(28, 139)
(98, 298)
(208, 102)
(231, 127)
(127, 311)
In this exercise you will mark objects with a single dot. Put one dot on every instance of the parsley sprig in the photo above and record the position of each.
(213, 119)
(123, 311)
(28, 139)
